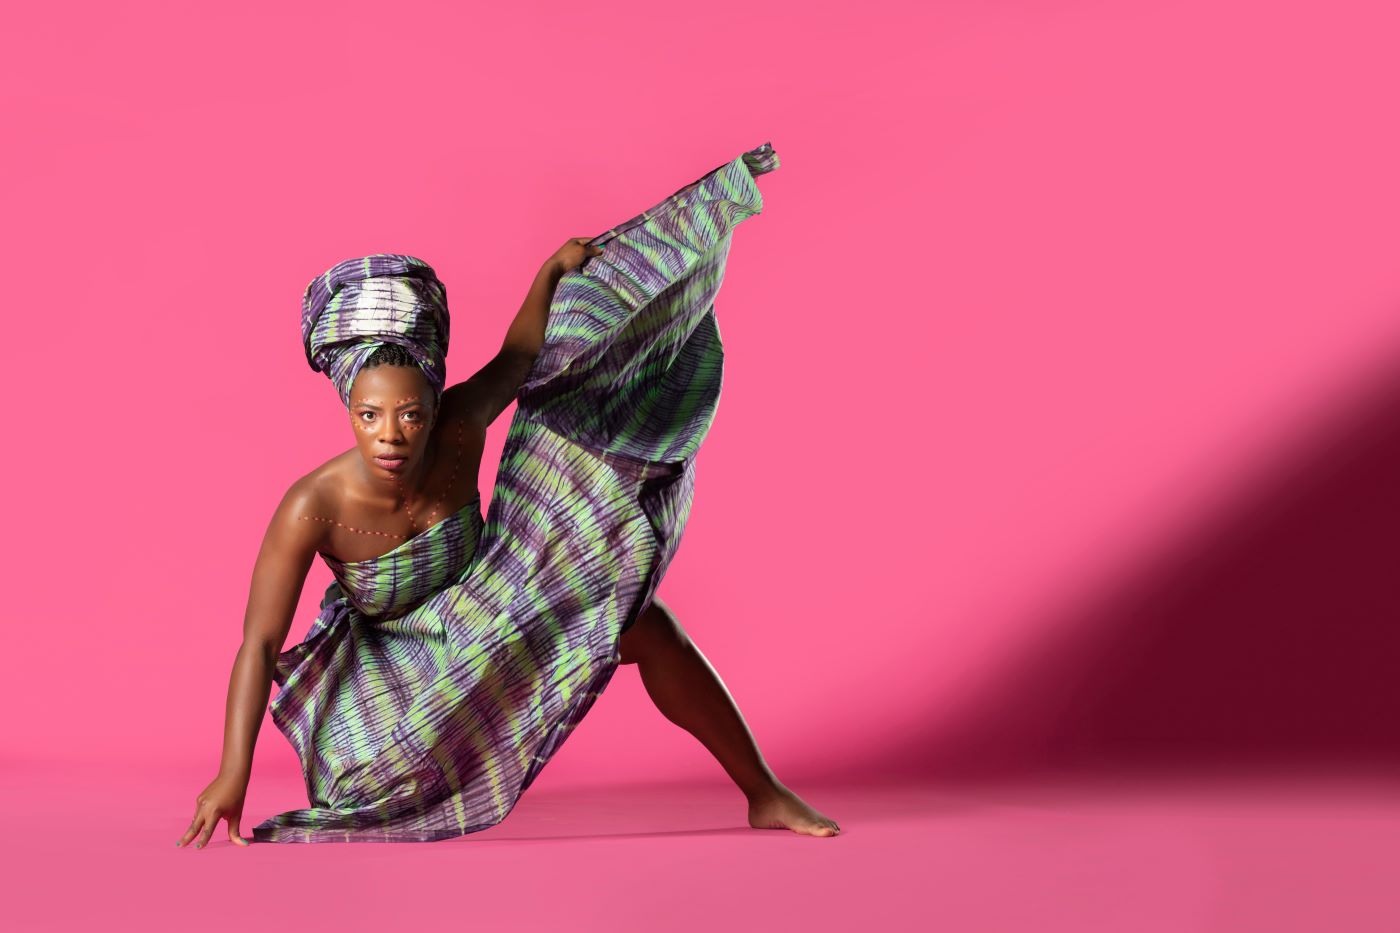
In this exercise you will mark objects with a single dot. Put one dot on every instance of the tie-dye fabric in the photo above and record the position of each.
(396, 582)
(358, 305)
(428, 721)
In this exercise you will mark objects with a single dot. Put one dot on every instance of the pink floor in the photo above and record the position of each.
(94, 849)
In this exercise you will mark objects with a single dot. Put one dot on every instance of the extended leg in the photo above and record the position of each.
(688, 691)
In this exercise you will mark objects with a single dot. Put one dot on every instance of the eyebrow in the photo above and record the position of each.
(417, 401)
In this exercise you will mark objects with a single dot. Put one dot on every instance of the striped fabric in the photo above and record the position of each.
(359, 305)
(429, 721)
(394, 583)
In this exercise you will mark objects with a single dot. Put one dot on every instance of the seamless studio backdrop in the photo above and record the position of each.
(1060, 414)
(1038, 384)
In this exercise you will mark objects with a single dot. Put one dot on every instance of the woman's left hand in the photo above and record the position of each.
(572, 254)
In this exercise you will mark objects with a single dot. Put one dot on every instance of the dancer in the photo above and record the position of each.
(453, 655)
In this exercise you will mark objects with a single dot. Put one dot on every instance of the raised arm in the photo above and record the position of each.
(288, 548)
(483, 397)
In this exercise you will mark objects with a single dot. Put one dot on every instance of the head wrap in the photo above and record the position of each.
(358, 305)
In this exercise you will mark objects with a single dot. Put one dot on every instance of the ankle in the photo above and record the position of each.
(767, 788)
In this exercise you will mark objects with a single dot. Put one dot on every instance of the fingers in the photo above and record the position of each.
(210, 823)
(206, 820)
(196, 825)
(576, 251)
(235, 831)
(212, 818)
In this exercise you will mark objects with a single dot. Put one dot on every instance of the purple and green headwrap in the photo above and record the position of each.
(359, 305)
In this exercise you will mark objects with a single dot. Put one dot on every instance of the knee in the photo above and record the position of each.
(657, 625)
(662, 622)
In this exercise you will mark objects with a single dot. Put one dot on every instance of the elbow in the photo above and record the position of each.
(261, 649)
(520, 353)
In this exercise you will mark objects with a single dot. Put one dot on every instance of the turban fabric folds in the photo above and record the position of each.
(359, 305)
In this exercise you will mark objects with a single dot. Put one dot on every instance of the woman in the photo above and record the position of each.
(453, 655)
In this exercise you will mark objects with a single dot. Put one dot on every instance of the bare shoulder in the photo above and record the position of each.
(458, 425)
(325, 483)
(463, 403)
(310, 505)
(279, 573)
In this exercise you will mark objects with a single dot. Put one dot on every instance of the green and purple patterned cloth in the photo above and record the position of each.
(439, 678)
(359, 305)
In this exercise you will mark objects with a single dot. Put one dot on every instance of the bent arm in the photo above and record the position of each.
(483, 397)
(525, 335)
(287, 550)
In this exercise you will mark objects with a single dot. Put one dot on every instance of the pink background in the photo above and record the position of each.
(1061, 421)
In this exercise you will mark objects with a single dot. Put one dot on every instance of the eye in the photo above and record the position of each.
(416, 415)
(363, 413)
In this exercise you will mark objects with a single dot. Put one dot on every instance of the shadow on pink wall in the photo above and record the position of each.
(1270, 641)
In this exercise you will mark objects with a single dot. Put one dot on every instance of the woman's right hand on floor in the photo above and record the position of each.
(221, 800)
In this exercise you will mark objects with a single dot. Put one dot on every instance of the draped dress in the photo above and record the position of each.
(440, 677)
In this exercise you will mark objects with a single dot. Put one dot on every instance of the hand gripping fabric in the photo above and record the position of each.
(430, 723)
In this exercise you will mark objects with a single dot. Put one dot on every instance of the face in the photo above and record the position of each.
(391, 411)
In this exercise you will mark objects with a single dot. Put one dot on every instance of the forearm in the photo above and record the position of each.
(526, 333)
(249, 685)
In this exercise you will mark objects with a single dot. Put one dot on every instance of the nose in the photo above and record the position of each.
(390, 432)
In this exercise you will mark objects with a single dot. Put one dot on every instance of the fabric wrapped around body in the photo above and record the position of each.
(428, 718)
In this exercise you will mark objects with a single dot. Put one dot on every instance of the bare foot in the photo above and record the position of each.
(780, 808)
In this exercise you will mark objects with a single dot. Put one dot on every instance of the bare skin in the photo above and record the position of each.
(688, 691)
(356, 507)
